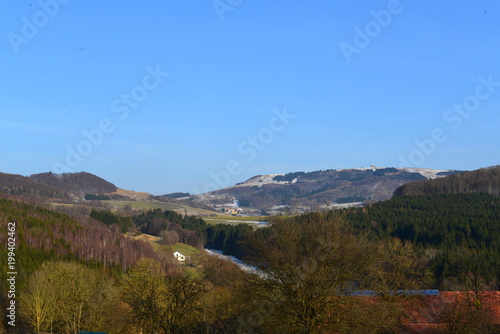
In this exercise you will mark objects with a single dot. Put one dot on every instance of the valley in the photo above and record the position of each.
(439, 232)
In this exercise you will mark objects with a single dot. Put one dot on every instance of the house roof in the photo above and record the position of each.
(428, 312)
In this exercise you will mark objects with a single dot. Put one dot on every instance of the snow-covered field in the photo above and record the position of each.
(261, 180)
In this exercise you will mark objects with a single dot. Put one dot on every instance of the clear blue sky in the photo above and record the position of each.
(365, 82)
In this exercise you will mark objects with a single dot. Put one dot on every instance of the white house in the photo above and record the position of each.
(179, 256)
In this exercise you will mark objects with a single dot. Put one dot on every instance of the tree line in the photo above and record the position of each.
(484, 180)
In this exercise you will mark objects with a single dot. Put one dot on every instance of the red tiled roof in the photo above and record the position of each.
(427, 312)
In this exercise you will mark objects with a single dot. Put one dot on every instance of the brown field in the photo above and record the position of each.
(138, 196)
(147, 237)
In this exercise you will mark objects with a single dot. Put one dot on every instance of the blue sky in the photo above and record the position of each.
(171, 95)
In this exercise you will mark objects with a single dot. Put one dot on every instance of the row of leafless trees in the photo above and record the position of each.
(90, 240)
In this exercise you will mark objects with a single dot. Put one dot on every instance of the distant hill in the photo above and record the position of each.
(301, 191)
(19, 185)
(484, 180)
(76, 183)
(58, 186)
(74, 193)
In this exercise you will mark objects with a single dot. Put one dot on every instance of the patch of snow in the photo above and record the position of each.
(261, 180)
(363, 168)
(428, 173)
(235, 204)
(344, 205)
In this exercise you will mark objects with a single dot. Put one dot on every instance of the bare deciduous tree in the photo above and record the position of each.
(169, 237)
(68, 297)
(309, 267)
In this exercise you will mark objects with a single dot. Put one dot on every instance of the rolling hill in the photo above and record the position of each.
(301, 191)
(261, 194)
(55, 186)
(76, 183)
(74, 193)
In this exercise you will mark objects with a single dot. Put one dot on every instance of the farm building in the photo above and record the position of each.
(179, 256)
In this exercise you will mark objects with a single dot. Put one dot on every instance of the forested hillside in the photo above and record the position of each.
(484, 180)
(43, 235)
(456, 232)
(76, 275)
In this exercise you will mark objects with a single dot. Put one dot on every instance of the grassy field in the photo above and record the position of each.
(178, 247)
(143, 205)
(138, 205)
(184, 249)
(157, 246)
(161, 205)
(210, 217)
(207, 215)
(234, 220)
